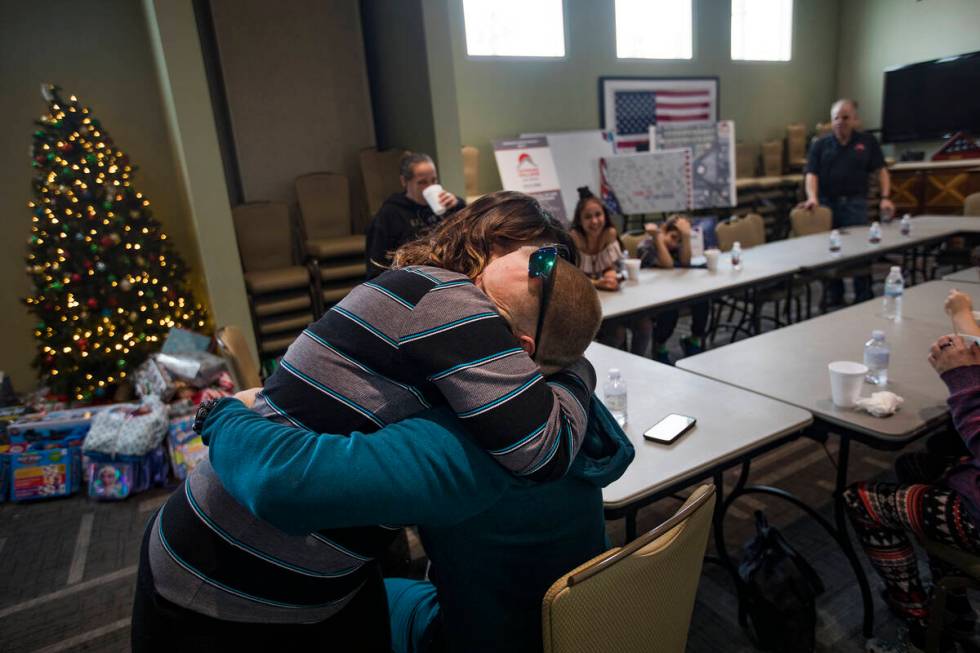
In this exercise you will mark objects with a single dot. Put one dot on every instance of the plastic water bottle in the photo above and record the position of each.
(834, 241)
(737, 255)
(615, 394)
(894, 287)
(906, 224)
(874, 233)
(876, 355)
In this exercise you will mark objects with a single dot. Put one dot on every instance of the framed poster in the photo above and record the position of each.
(628, 106)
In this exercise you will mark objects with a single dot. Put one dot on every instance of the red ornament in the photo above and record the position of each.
(112, 302)
(76, 277)
(87, 265)
(92, 303)
(83, 343)
(49, 360)
(65, 147)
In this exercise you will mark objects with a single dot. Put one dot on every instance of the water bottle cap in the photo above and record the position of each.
(878, 334)
(896, 269)
(737, 245)
(875, 224)
(613, 373)
(834, 232)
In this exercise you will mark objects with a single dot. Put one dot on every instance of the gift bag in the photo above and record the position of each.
(126, 431)
(114, 477)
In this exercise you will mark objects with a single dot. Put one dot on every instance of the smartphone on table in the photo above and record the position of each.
(669, 428)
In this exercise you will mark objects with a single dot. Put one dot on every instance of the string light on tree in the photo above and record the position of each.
(107, 282)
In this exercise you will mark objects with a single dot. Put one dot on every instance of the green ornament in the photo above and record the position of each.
(94, 248)
(39, 133)
(91, 158)
(40, 326)
(67, 172)
(121, 362)
(107, 205)
(149, 293)
(57, 285)
(112, 278)
(57, 123)
(141, 337)
(50, 156)
(33, 240)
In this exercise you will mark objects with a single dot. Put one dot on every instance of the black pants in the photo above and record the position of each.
(159, 625)
(667, 322)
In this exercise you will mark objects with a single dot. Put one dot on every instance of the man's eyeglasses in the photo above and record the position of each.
(542, 264)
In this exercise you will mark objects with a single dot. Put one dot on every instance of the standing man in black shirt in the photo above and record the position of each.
(838, 167)
(405, 216)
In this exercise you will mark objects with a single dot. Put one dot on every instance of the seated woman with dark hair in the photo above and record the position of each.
(601, 257)
(937, 498)
(669, 247)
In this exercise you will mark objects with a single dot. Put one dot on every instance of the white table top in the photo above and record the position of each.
(932, 165)
(790, 364)
(968, 275)
(730, 422)
(657, 288)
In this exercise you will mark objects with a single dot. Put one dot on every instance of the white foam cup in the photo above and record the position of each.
(431, 195)
(633, 269)
(846, 378)
(711, 255)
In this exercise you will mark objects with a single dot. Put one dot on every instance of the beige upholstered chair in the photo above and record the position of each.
(232, 345)
(746, 160)
(796, 145)
(772, 158)
(749, 230)
(636, 598)
(631, 242)
(283, 296)
(324, 205)
(804, 223)
(822, 129)
(471, 172)
(380, 172)
(971, 205)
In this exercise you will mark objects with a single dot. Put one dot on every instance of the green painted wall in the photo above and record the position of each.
(499, 98)
(880, 34)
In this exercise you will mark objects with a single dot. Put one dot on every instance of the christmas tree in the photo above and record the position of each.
(108, 285)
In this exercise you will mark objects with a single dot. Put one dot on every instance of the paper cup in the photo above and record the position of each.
(846, 378)
(431, 195)
(633, 269)
(711, 256)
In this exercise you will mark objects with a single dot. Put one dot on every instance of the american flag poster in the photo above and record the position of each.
(629, 106)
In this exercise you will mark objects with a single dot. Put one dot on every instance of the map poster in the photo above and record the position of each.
(652, 182)
(526, 165)
(712, 158)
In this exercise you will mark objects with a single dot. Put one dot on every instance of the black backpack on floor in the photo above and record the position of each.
(778, 593)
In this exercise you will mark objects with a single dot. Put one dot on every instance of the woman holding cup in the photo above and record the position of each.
(602, 259)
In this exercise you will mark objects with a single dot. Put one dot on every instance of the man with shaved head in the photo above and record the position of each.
(838, 167)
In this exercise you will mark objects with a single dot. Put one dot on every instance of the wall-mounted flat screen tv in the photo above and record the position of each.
(932, 99)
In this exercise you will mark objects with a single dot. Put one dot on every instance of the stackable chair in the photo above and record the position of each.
(283, 295)
(796, 146)
(632, 241)
(772, 158)
(971, 205)
(324, 205)
(749, 230)
(746, 160)
(636, 598)
(380, 172)
(471, 172)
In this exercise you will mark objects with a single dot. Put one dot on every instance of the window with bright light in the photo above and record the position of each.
(514, 28)
(762, 30)
(654, 29)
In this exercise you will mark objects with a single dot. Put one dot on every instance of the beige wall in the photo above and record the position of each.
(880, 34)
(297, 88)
(99, 51)
(499, 98)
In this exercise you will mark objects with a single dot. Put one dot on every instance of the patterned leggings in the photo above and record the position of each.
(884, 513)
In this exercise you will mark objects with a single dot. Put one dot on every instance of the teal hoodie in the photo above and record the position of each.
(496, 542)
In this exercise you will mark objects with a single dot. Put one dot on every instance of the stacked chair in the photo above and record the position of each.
(796, 146)
(334, 253)
(283, 294)
(772, 158)
(746, 160)
(232, 346)
(471, 172)
(380, 172)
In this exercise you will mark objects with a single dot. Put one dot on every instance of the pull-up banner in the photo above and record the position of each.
(526, 165)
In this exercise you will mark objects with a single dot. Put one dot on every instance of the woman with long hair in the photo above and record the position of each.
(601, 258)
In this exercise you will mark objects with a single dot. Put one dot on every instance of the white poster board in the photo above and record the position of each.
(576, 155)
(651, 182)
(712, 158)
(526, 165)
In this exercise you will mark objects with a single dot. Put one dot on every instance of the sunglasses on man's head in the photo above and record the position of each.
(542, 264)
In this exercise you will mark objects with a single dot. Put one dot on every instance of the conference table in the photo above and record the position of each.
(790, 365)
(967, 275)
(733, 425)
(776, 262)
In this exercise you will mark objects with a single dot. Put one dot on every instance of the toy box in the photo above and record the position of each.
(56, 424)
(186, 447)
(43, 474)
(115, 477)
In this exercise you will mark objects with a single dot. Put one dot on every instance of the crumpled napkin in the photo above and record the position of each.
(881, 404)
